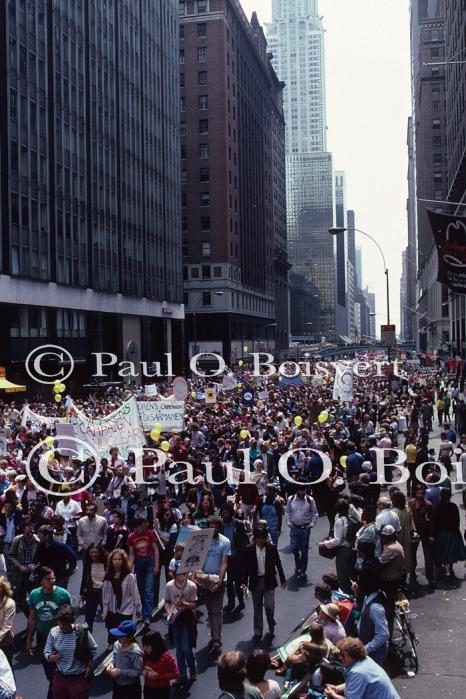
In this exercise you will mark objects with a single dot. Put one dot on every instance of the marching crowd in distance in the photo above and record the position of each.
(126, 540)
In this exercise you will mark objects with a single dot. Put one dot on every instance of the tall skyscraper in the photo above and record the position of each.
(430, 160)
(359, 277)
(408, 310)
(233, 179)
(342, 255)
(352, 280)
(89, 178)
(370, 299)
(455, 34)
(296, 40)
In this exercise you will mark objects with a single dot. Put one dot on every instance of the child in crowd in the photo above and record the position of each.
(127, 663)
(159, 667)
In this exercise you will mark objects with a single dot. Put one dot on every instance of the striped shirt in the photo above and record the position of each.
(65, 644)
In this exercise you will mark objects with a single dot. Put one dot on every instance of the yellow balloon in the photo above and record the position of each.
(165, 446)
(244, 434)
(298, 421)
(321, 418)
(343, 461)
(56, 382)
(155, 435)
(57, 397)
(50, 441)
(50, 456)
(241, 362)
(158, 427)
(245, 349)
(193, 394)
(59, 388)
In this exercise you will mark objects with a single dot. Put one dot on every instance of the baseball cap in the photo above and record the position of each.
(126, 628)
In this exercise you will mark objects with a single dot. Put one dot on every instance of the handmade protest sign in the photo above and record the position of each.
(122, 429)
(195, 550)
(169, 413)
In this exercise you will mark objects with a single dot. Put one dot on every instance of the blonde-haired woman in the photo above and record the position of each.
(7, 617)
(120, 594)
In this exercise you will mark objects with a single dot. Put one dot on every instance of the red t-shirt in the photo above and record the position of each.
(166, 667)
(142, 543)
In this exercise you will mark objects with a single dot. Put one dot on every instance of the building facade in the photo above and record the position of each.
(428, 52)
(233, 182)
(455, 33)
(409, 316)
(89, 173)
(296, 40)
(311, 212)
(342, 242)
(352, 277)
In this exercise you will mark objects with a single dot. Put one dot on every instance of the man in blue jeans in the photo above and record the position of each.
(301, 515)
(144, 555)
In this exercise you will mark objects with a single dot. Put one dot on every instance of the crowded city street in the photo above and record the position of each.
(385, 412)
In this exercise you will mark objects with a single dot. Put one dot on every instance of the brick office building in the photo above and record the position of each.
(233, 182)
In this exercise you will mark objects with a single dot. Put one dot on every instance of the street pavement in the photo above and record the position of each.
(438, 618)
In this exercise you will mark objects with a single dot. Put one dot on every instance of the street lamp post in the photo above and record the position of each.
(337, 230)
(195, 310)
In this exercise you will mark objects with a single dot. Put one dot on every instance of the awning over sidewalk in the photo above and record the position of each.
(8, 386)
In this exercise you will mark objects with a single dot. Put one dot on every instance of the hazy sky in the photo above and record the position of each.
(368, 104)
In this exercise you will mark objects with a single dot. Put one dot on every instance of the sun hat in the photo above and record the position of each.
(330, 610)
(387, 530)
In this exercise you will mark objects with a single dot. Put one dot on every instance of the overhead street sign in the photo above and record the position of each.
(388, 335)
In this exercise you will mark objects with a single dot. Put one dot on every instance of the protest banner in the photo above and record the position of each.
(169, 413)
(66, 443)
(38, 420)
(122, 429)
(343, 385)
(150, 390)
(195, 550)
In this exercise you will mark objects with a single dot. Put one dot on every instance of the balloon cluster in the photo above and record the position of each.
(59, 388)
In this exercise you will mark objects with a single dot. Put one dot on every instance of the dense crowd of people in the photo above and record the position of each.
(126, 539)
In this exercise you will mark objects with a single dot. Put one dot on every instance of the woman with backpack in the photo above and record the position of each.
(343, 542)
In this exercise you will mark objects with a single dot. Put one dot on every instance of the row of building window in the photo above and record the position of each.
(204, 199)
(204, 175)
(33, 322)
(197, 7)
(202, 103)
(205, 223)
(201, 55)
(203, 151)
(201, 30)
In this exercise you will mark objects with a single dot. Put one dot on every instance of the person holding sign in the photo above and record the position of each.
(180, 604)
(216, 563)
